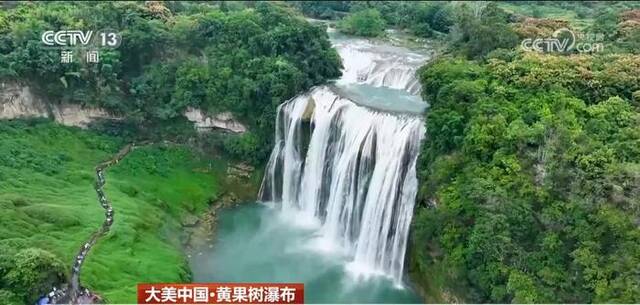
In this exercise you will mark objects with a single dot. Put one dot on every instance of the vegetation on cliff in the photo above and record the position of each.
(530, 177)
(243, 59)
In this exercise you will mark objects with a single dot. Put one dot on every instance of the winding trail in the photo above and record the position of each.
(75, 292)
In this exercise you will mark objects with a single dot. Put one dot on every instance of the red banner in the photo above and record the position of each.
(221, 293)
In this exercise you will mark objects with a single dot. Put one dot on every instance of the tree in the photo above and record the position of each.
(368, 23)
(482, 31)
(32, 273)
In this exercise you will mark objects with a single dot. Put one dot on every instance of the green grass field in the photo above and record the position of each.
(48, 201)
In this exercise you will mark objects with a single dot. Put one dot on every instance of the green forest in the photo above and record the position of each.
(531, 169)
(226, 57)
(530, 182)
(529, 174)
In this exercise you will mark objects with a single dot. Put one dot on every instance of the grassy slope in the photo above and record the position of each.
(48, 201)
(548, 11)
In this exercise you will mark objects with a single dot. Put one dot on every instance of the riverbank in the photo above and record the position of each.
(47, 193)
(239, 186)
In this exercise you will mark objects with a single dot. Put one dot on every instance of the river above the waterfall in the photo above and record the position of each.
(256, 243)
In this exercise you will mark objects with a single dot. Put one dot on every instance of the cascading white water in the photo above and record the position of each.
(380, 66)
(357, 174)
(351, 167)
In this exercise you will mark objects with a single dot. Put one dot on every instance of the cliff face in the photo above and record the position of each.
(204, 122)
(19, 101)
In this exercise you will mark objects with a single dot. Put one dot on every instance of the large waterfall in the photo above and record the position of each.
(351, 167)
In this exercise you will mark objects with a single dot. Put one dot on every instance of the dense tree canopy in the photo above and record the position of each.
(530, 179)
(246, 60)
(423, 18)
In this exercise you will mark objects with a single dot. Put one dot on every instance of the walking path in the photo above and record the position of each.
(75, 294)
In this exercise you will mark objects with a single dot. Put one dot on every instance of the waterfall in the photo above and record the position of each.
(350, 167)
(380, 66)
(356, 174)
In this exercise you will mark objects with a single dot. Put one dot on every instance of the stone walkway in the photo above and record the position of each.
(75, 293)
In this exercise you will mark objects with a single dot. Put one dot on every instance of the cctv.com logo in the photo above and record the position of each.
(562, 41)
(71, 38)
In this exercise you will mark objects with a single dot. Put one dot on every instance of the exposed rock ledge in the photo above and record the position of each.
(223, 120)
(19, 101)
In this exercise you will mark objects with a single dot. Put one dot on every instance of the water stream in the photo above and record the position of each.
(339, 189)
